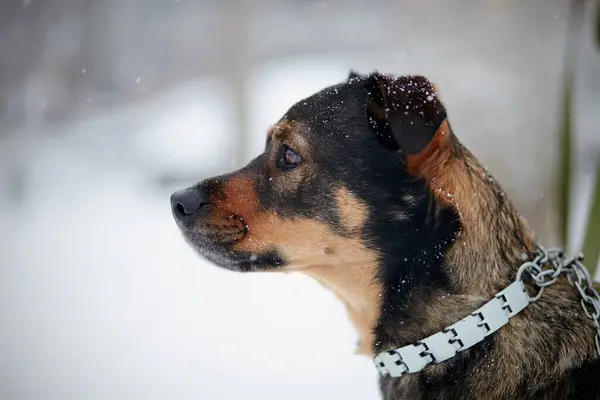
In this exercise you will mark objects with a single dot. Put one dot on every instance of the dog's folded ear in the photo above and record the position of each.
(403, 111)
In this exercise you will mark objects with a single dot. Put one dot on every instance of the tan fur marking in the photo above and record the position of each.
(344, 265)
(239, 196)
(352, 212)
(282, 130)
(288, 132)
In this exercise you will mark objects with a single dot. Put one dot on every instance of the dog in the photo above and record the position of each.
(365, 187)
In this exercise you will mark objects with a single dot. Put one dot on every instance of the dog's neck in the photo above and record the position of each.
(472, 244)
(473, 247)
(462, 244)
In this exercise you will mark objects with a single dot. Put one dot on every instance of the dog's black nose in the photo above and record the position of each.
(186, 203)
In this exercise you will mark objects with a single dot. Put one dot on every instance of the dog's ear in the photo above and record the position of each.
(404, 111)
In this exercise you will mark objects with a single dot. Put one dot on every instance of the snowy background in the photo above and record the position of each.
(108, 106)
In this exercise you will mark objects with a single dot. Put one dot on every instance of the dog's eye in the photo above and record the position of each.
(289, 158)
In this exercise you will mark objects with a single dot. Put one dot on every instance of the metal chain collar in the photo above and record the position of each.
(545, 269)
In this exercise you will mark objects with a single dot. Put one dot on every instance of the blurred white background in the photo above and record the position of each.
(108, 106)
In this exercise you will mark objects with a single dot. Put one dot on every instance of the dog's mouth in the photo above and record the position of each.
(216, 239)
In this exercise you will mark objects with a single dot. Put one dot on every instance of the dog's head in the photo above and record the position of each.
(338, 170)
(365, 187)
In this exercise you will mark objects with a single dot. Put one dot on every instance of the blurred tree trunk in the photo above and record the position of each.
(591, 247)
(564, 173)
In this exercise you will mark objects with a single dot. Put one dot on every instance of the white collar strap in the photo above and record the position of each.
(458, 337)
(543, 271)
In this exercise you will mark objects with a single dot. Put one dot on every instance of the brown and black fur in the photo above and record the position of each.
(388, 209)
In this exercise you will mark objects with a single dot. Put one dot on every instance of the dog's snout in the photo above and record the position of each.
(187, 203)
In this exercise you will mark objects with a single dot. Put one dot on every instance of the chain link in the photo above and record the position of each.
(547, 267)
